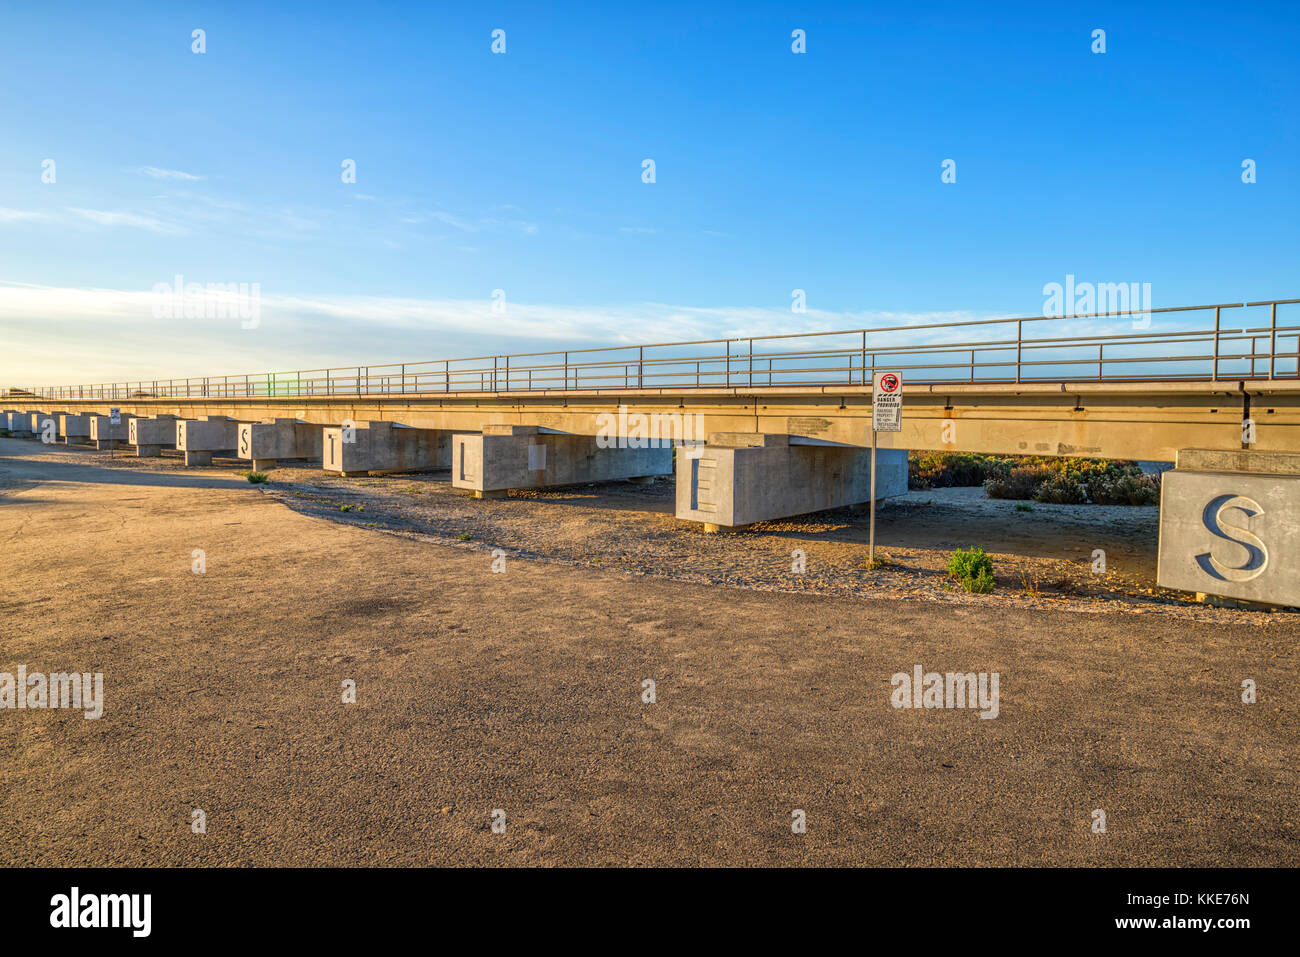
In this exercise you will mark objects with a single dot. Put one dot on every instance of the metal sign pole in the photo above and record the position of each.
(871, 540)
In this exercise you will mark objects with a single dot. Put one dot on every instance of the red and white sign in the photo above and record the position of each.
(887, 402)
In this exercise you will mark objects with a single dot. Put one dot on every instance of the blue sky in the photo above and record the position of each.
(523, 171)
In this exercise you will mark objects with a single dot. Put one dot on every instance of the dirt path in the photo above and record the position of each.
(522, 691)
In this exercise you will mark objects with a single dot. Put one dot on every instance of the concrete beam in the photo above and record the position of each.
(1230, 526)
(151, 436)
(1136, 420)
(381, 446)
(200, 439)
(512, 456)
(266, 442)
(735, 481)
(105, 434)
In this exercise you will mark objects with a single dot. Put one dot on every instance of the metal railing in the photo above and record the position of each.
(1266, 350)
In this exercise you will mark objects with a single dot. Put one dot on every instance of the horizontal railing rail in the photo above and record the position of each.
(1207, 353)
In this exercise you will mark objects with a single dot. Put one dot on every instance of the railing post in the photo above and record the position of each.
(728, 363)
(1100, 360)
(446, 375)
(1020, 332)
(1272, 338)
(566, 372)
(972, 367)
(403, 378)
(864, 357)
(751, 363)
(640, 367)
(1214, 374)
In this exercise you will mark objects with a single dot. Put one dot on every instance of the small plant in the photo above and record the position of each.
(1024, 507)
(6, 434)
(1029, 586)
(346, 508)
(464, 536)
(972, 569)
(256, 478)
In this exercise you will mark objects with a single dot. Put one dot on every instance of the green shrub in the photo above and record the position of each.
(464, 536)
(256, 478)
(1020, 482)
(981, 584)
(927, 470)
(1126, 489)
(969, 563)
(1022, 507)
(1063, 488)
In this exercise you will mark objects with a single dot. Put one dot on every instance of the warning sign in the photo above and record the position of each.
(887, 402)
(115, 416)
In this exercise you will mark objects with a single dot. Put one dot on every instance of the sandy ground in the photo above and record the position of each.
(522, 690)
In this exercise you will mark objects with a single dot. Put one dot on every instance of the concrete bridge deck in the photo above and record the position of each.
(1130, 420)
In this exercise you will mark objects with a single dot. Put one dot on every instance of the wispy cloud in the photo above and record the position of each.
(158, 172)
(105, 217)
(19, 215)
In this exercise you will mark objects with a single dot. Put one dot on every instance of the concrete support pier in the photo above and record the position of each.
(525, 456)
(105, 434)
(74, 429)
(741, 478)
(264, 443)
(151, 436)
(19, 423)
(384, 447)
(44, 424)
(200, 439)
(1230, 526)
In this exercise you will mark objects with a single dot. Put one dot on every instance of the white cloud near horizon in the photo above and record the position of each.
(62, 335)
(59, 335)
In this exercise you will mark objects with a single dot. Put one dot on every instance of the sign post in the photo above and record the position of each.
(115, 418)
(886, 416)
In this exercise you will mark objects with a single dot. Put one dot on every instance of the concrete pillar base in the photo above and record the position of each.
(263, 465)
(642, 480)
(103, 444)
(198, 458)
(148, 451)
(491, 493)
(712, 529)
(526, 456)
(742, 478)
(1230, 527)
(362, 474)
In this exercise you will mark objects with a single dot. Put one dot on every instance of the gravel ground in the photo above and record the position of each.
(522, 691)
